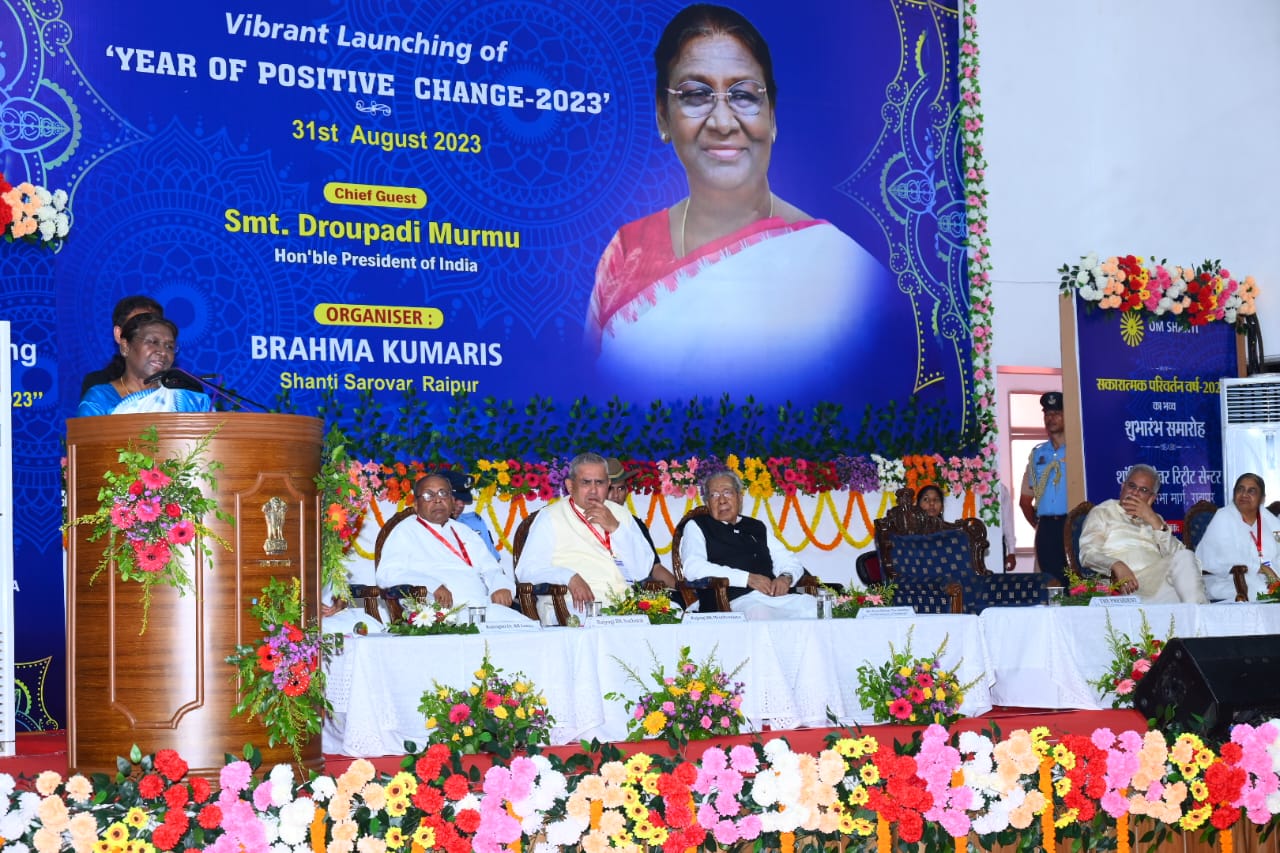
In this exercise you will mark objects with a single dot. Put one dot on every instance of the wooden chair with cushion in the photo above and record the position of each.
(1071, 535)
(1194, 524)
(938, 566)
(526, 593)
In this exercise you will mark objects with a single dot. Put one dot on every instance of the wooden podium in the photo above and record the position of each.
(171, 687)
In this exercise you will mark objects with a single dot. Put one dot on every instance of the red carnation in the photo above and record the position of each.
(643, 604)
(468, 820)
(210, 816)
(150, 786)
(136, 488)
(428, 799)
(200, 789)
(176, 797)
(456, 786)
(686, 773)
(171, 764)
(165, 837)
(172, 510)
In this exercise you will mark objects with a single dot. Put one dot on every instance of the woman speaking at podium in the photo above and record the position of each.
(149, 343)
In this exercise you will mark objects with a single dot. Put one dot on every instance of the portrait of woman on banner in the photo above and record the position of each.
(148, 343)
(733, 288)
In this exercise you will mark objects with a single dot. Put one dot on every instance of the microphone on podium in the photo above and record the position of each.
(176, 377)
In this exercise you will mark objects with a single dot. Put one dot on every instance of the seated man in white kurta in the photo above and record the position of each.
(449, 559)
(727, 544)
(1129, 541)
(586, 541)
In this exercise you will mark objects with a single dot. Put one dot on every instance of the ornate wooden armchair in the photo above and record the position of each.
(714, 592)
(1194, 524)
(938, 566)
(526, 593)
(1071, 535)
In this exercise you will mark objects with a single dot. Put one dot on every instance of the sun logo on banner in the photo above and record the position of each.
(1131, 328)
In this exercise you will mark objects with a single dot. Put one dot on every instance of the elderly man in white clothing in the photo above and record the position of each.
(448, 558)
(585, 540)
(727, 544)
(1129, 541)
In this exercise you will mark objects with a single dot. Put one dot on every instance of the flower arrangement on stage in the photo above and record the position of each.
(1080, 590)
(423, 618)
(496, 714)
(1193, 296)
(847, 605)
(152, 512)
(281, 676)
(700, 700)
(344, 505)
(1025, 788)
(911, 691)
(1131, 660)
(1271, 593)
(33, 214)
(636, 600)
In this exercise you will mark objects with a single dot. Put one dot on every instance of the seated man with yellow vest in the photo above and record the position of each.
(585, 540)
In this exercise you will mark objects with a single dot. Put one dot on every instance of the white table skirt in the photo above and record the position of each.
(795, 672)
(1044, 657)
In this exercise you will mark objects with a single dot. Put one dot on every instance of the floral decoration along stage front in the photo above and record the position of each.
(153, 511)
(1023, 789)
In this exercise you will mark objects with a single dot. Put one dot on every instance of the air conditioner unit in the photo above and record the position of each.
(1251, 431)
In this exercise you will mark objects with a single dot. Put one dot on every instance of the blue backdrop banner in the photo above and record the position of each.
(490, 200)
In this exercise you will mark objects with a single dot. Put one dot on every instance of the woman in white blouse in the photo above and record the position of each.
(1243, 534)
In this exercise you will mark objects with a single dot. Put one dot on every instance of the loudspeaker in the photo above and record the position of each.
(1221, 680)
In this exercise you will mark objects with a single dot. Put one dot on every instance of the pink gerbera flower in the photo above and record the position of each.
(182, 533)
(458, 713)
(153, 557)
(147, 510)
(153, 478)
(900, 708)
(122, 517)
(924, 679)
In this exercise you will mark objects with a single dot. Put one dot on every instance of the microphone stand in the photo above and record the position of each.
(176, 377)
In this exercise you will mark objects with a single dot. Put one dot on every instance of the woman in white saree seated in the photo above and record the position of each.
(148, 343)
(796, 292)
(1243, 534)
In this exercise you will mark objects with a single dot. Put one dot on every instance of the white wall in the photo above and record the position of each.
(1143, 126)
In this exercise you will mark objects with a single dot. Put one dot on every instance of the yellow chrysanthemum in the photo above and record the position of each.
(467, 731)
(504, 479)
(698, 686)
(431, 722)
(870, 774)
(863, 827)
(904, 671)
(675, 690)
(424, 836)
(397, 806)
(654, 722)
(520, 714)
(858, 796)
(500, 712)
(394, 838)
(443, 693)
(520, 687)
(482, 673)
(473, 690)
(136, 817)
(116, 833)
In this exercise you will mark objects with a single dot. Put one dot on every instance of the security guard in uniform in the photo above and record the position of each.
(1044, 490)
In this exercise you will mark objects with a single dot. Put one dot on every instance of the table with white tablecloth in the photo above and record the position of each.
(795, 672)
(1044, 657)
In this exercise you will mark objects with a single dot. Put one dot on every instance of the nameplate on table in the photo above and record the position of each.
(612, 619)
(1115, 601)
(508, 627)
(714, 617)
(899, 612)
